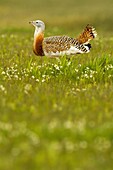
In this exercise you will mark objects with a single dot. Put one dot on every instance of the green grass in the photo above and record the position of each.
(55, 113)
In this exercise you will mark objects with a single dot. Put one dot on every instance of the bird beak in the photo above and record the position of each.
(30, 22)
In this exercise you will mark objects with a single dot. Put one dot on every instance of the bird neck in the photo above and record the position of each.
(37, 32)
(38, 39)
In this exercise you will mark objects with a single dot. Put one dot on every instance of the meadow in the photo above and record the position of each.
(55, 113)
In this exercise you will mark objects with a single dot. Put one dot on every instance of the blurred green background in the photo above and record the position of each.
(55, 114)
(69, 14)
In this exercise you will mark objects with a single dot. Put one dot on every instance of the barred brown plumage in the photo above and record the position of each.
(61, 45)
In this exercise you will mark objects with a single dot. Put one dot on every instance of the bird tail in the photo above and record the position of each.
(88, 34)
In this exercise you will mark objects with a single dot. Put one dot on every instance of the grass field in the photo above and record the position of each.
(55, 113)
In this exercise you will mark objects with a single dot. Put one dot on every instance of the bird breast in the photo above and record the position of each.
(37, 46)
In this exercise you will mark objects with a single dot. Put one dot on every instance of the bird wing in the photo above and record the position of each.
(59, 45)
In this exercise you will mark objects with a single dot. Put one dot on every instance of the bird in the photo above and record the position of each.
(61, 45)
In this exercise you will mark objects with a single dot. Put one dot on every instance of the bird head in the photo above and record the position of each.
(38, 24)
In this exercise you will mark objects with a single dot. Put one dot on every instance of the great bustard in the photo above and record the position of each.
(61, 45)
